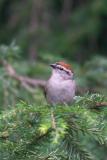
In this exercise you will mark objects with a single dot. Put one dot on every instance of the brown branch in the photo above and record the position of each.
(98, 106)
(25, 81)
(101, 104)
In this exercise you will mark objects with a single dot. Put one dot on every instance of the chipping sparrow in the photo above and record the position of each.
(60, 88)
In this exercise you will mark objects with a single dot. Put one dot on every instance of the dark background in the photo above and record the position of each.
(71, 29)
(35, 33)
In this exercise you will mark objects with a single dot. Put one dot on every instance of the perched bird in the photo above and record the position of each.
(60, 88)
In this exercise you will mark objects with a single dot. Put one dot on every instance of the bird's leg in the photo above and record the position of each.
(53, 119)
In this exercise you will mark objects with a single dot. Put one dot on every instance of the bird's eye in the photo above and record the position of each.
(61, 69)
(67, 72)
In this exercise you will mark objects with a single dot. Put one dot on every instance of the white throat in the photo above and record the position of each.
(61, 76)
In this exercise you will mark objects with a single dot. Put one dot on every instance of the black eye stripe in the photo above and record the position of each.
(67, 72)
(61, 69)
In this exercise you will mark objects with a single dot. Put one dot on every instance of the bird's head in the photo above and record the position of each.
(62, 70)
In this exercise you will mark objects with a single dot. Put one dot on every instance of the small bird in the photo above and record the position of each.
(61, 86)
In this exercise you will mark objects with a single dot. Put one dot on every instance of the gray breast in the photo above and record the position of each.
(60, 93)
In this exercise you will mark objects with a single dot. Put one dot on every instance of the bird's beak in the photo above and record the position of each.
(53, 65)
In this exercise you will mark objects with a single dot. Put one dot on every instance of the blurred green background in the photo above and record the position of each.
(74, 30)
(35, 33)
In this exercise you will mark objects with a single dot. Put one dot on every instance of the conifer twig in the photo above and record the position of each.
(53, 119)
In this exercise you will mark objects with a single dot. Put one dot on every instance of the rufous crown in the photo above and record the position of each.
(65, 65)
